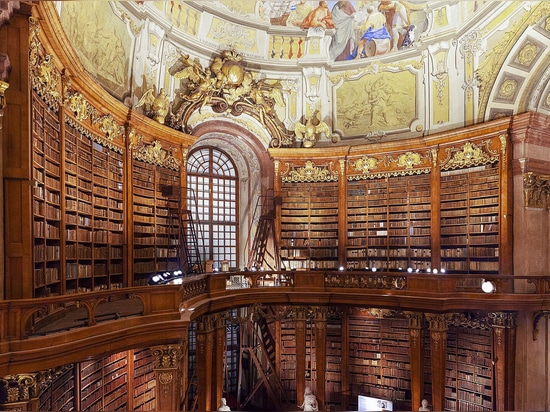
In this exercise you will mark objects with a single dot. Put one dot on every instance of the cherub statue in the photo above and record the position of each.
(158, 106)
(309, 133)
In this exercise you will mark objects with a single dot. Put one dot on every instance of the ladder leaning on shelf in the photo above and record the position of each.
(265, 233)
(190, 247)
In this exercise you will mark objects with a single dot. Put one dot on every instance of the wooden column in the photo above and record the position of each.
(438, 347)
(16, 161)
(345, 361)
(504, 348)
(436, 212)
(300, 326)
(4, 69)
(321, 353)
(416, 347)
(342, 216)
(168, 374)
(204, 363)
(217, 360)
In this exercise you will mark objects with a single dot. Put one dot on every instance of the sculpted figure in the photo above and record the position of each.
(310, 401)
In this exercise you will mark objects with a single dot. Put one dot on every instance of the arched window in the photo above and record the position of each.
(212, 185)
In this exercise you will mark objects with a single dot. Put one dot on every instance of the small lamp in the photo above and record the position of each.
(487, 286)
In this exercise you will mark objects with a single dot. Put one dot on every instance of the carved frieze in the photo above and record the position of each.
(468, 155)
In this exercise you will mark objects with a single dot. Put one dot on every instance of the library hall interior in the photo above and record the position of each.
(275, 205)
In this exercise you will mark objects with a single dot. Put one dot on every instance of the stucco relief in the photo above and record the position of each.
(383, 101)
(101, 41)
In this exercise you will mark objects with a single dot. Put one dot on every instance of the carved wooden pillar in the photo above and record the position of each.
(204, 364)
(436, 212)
(300, 326)
(438, 345)
(342, 217)
(168, 376)
(4, 70)
(218, 322)
(321, 353)
(504, 348)
(345, 361)
(416, 347)
(20, 391)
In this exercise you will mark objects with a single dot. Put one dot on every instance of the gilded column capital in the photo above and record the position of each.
(536, 190)
(19, 388)
(167, 356)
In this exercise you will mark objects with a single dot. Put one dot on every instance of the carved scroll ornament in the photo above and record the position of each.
(536, 190)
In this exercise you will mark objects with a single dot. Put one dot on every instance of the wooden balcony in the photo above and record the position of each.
(46, 332)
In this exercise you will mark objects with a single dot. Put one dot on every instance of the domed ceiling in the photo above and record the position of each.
(358, 71)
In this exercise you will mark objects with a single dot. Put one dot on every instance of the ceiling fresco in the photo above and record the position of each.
(370, 70)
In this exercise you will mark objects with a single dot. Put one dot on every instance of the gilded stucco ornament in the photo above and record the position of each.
(154, 154)
(310, 132)
(227, 87)
(3, 88)
(79, 106)
(45, 78)
(155, 106)
(108, 125)
(468, 155)
(310, 173)
(409, 160)
(365, 164)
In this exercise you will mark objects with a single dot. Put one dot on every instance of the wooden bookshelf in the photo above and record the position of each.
(144, 380)
(46, 198)
(470, 219)
(389, 223)
(333, 383)
(94, 213)
(287, 364)
(309, 225)
(469, 377)
(59, 393)
(379, 359)
(156, 220)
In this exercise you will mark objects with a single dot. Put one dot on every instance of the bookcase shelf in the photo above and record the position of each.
(156, 229)
(379, 359)
(389, 223)
(287, 366)
(309, 226)
(47, 223)
(470, 219)
(93, 214)
(469, 382)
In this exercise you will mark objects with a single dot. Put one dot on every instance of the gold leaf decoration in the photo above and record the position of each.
(365, 164)
(469, 155)
(45, 78)
(109, 126)
(83, 130)
(311, 173)
(155, 154)
(409, 160)
(79, 106)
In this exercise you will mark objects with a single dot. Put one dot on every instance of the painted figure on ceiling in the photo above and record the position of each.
(374, 30)
(397, 20)
(319, 17)
(343, 41)
(297, 16)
